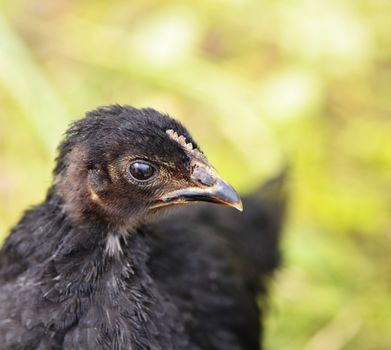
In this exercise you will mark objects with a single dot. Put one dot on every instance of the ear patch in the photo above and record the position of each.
(187, 147)
(97, 180)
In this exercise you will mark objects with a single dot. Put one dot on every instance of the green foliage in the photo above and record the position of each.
(259, 84)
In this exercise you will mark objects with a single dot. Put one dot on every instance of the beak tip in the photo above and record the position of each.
(230, 197)
(239, 206)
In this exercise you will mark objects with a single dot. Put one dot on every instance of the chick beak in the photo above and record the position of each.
(206, 186)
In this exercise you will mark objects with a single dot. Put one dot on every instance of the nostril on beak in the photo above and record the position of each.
(203, 176)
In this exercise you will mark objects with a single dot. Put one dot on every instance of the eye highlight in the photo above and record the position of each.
(141, 171)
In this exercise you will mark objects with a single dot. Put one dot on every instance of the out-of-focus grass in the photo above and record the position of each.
(257, 82)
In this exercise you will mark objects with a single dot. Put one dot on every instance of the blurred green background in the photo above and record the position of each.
(257, 83)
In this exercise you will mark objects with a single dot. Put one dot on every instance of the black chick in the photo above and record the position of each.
(92, 268)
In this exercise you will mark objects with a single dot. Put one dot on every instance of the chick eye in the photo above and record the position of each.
(142, 171)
